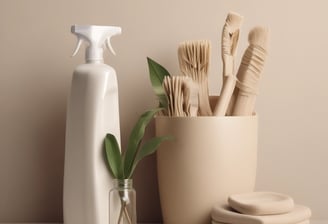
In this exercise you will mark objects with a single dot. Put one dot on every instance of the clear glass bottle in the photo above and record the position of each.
(122, 203)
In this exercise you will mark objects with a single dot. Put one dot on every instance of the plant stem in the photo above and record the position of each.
(124, 210)
(127, 215)
(121, 214)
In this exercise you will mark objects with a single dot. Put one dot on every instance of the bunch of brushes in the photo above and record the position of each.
(188, 94)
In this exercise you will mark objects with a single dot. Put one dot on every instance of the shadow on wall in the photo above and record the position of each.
(52, 164)
(146, 185)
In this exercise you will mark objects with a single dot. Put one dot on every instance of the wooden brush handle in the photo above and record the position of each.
(249, 75)
(232, 102)
(244, 105)
(229, 41)
(204, 102)
(225, 96)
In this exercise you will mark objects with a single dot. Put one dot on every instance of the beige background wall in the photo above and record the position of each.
(35, 63)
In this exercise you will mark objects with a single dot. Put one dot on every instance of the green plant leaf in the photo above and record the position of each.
(113, 155)
(157, 73)
(135, 138)
(149, 148)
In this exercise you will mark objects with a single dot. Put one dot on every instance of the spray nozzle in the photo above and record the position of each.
(97, 37)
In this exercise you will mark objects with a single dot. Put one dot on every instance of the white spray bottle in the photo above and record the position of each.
(92, 112)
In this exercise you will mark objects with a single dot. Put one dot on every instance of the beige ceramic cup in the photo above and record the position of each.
(209, 159)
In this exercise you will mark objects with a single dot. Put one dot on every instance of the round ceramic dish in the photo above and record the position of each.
(261, 203)
(225, 214)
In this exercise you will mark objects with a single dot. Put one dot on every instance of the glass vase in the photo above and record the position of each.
(122, 203)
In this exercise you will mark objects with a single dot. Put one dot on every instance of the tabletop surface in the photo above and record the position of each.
(312, 222)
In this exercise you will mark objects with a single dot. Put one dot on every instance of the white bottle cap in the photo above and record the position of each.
(97, 37)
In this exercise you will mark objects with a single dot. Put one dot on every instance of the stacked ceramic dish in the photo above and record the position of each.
(260, 208)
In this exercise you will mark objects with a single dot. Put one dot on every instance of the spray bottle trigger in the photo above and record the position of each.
(77, 48)
(109, 46)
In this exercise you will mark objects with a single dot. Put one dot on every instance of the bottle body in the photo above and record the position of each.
(92, 112)
(124, 195)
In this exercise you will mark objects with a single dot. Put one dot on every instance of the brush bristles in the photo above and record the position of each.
(259, 36)
(194, 56)
(234, 20)
(182, 94)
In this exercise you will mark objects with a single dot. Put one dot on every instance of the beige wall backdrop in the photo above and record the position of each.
(35, 75)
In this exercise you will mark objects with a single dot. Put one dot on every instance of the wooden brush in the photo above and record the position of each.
(190, 97)
(182, 94)
(194, 57)
(250, 71)
(229, 41)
